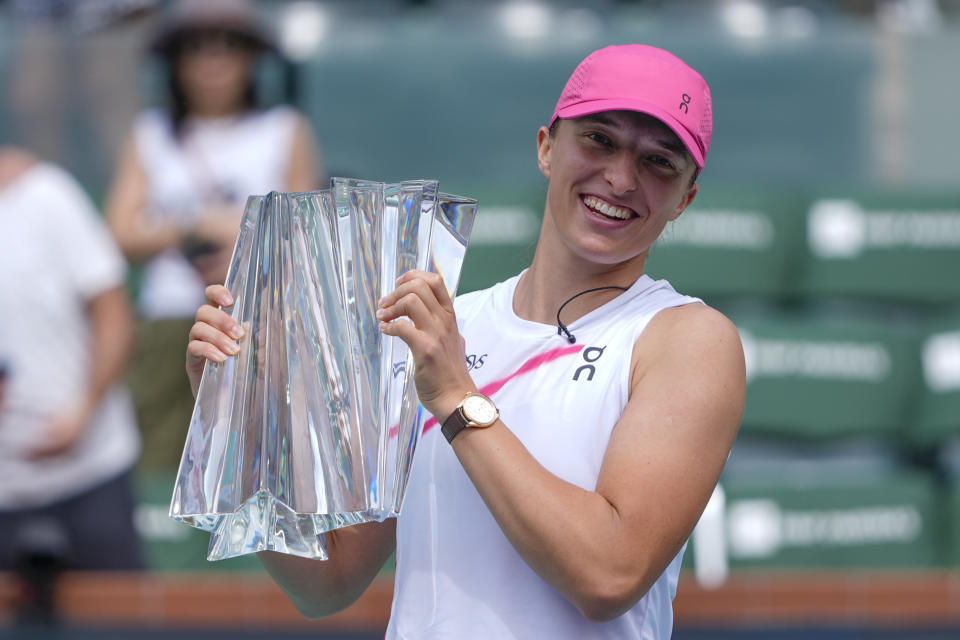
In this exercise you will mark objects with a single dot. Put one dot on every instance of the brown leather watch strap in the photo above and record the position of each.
(454, 424)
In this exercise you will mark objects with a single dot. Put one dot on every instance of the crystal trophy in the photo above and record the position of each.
(314, 424)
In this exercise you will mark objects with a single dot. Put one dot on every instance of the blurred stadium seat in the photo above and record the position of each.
(818, 377)
(849, 452)
(733, 245)
(937, 418)
(504, 236)
(817, 478)
(951, 533)
(889, 246)
(821, 520)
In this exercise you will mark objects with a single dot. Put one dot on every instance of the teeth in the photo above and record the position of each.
(606, 208)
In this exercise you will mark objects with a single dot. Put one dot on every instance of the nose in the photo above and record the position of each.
(621, 173)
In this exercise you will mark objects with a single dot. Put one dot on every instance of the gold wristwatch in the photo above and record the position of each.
(475, 410)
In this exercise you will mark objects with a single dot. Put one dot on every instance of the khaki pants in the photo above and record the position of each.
(161, 391)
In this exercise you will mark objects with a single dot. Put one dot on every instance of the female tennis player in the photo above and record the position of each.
(582, 410)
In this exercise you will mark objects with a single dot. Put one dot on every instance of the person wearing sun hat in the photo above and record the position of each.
(181, 184)
(238, 17)
(555, 486)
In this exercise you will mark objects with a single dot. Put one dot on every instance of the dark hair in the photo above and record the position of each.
(177, 98)
(552, 130)
(553, 127)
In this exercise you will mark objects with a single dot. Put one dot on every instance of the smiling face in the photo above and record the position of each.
(616, 179)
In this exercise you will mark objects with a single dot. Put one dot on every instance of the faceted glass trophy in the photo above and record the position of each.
(314, 424)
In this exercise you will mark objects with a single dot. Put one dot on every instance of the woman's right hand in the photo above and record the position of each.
(213, 336)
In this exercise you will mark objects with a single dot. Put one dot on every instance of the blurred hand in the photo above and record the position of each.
(218, 224)
(213, 336)
(62, 433)
(209, 244)
(213, 264)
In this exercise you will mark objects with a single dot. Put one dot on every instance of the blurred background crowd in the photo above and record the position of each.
(827, 227)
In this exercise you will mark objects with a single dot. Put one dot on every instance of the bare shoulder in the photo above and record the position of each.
(306, 170)
(695, 315)
(688, 379)
(691, 332)
(301, 123)
(690, 357)
(14, 163)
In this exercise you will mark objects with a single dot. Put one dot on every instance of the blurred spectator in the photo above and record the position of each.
(68, 440)
(180, 187)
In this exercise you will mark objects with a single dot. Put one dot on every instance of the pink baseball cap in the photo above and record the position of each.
(637, 77)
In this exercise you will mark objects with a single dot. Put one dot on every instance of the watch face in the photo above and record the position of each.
(480, 410)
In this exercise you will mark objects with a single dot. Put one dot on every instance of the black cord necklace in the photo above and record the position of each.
(562, 328)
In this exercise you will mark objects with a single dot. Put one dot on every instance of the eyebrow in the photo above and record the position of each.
(670, 144)
(676, 147)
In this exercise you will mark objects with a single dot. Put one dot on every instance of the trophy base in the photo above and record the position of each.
(262, 523)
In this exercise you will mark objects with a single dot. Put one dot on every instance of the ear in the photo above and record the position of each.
(544, 144)
(688, 198)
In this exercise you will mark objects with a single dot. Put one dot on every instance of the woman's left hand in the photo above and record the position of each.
(433, 337)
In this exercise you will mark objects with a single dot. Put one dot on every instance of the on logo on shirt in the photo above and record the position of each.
(590, 354)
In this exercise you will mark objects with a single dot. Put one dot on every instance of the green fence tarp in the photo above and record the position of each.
(938, 406)
(952, 529)
(734, 244)
(824, 522)
(504, 236)
(901, 247)
(823, 376)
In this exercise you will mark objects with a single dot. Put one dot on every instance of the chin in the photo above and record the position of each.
(604, 255)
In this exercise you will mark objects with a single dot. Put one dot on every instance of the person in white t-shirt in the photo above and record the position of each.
(68, 437)
(589, 409)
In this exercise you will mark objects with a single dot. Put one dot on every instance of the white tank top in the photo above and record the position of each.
(458, 577)
(217, 161)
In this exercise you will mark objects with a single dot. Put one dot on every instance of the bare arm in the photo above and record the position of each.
(306, 165)
(317, 588)
(321, 588)
(138, 237)
(661, 465)
(112, 335)
(111, 319)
